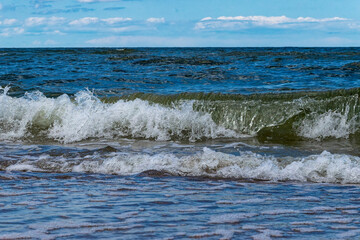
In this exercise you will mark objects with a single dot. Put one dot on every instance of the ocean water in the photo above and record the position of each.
(179, 143)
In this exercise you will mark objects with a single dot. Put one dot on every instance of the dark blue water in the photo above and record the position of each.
(176, 70)
(179, 143)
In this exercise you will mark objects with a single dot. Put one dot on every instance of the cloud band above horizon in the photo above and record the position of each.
(120, 23)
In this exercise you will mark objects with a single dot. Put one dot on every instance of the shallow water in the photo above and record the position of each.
(213, 143)
(83, 206)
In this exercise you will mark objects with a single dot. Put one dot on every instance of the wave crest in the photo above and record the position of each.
(86, 117)
(191, 117)
(325, 167)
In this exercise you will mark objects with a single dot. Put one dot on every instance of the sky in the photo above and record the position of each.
(179, 23)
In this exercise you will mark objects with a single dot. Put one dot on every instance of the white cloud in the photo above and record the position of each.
(7, 32)
(131, 28)
(104, 41)
(273, 20)
(55, 20)
(36, 43)
(84, 21)
(37, 21)
(93, 20)
(224, 22)
(18, 30)
(157, 41)
(115, 20)
(206, 19)
(56, 32)
(144, 41)
(354, 25)
(336, 41)
(92, 1)
(260, 20)
(9, 21)
(50, 42)
(156, 20)
(123, 29)
(310, 19)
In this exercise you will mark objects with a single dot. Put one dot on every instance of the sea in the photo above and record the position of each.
(180, 143)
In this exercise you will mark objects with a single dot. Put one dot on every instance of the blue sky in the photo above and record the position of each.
(179, 23)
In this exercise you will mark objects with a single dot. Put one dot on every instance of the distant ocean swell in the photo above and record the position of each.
(183, 117)
(324, 167)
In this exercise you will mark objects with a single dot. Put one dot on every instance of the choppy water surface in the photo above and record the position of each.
(83, 206)
(180, 143)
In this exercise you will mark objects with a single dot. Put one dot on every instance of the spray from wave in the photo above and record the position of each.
(196, 117)
(85, 116)
(325, 167)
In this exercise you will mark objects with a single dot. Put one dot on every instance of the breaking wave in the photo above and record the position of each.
(325, 167)
(67, 120)
(182, 117)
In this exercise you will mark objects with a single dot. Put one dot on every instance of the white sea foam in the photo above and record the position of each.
(336, 220)
(225, 233)
(230, 218)
(349, 234)
(279, 212)
(329, 124)
(267, 234)
(25, 167)
(67, 120)
(306, 199)
(87, 117)
(325, 167)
